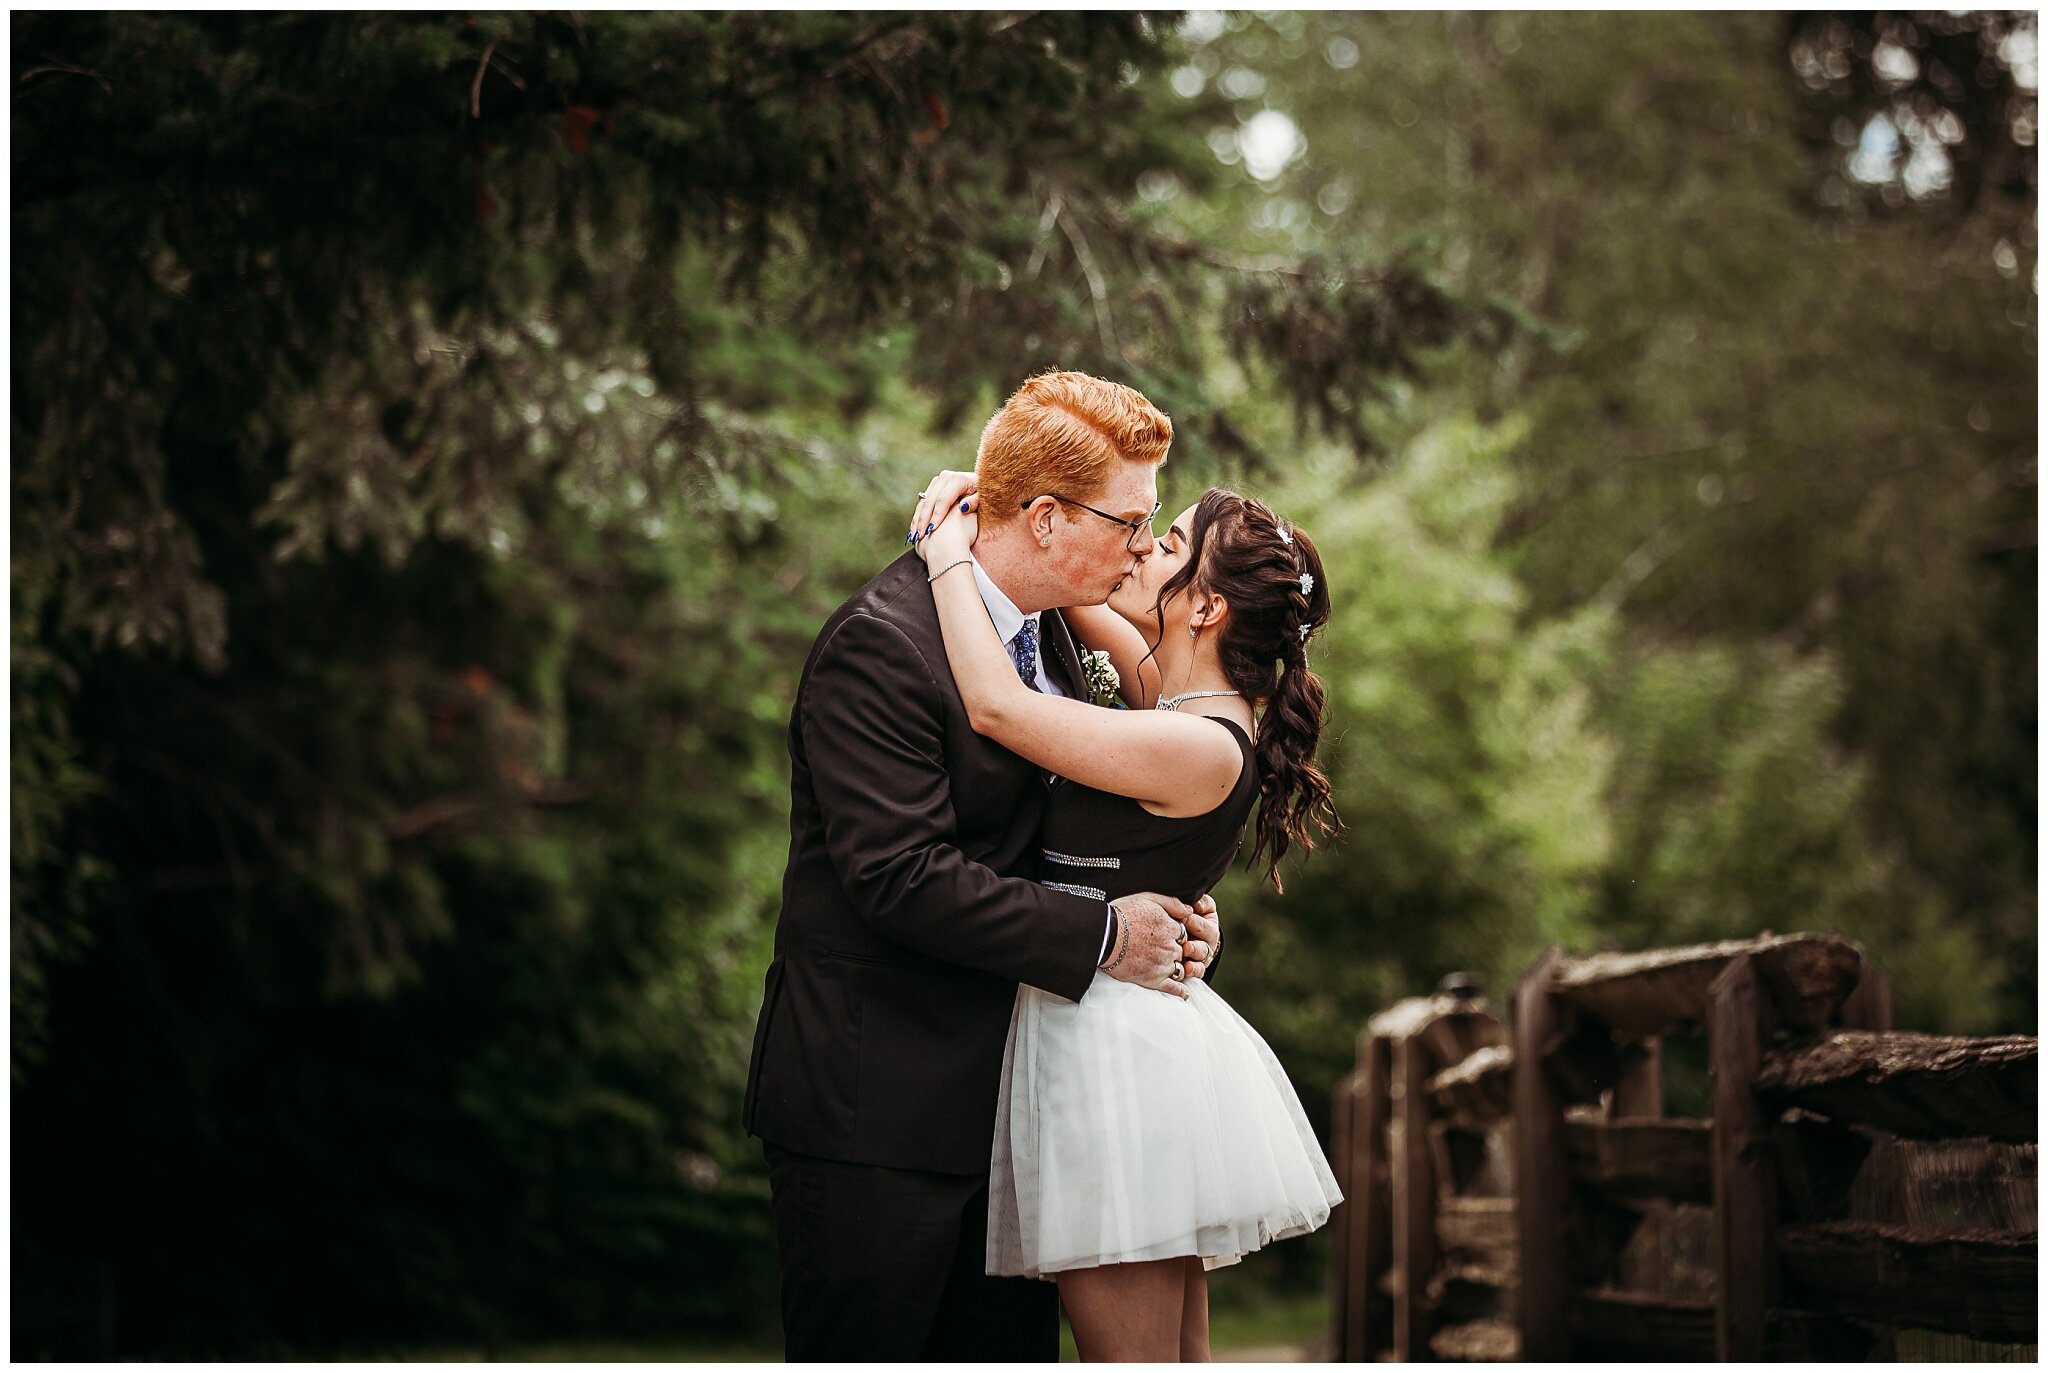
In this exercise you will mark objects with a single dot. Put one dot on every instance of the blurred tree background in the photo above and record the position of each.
(437, 438)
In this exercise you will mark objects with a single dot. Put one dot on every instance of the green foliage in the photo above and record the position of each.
(1787, 442)
(1739, 813)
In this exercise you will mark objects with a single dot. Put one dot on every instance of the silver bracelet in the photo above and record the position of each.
(947, 568)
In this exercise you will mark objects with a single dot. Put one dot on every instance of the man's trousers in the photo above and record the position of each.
(887, 1263)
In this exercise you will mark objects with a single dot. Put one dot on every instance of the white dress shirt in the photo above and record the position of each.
(1008, 620)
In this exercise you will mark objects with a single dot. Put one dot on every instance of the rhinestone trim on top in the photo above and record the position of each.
(1097, 893)
(1072, 861)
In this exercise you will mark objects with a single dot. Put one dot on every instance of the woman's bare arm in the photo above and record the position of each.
(1178, 763)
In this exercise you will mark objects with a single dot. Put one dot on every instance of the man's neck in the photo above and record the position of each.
(1003, 556)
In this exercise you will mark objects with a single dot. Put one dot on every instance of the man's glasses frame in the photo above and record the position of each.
(1136, 527)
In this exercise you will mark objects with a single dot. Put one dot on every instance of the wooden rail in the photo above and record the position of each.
(1925, 1086)
(1979, 1284)
(1644, 994)
(1504, 1178)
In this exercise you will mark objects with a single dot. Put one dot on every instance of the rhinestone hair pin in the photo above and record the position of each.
(1308, 582)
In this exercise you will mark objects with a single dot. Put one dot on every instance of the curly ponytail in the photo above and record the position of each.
(1294, 795)
(1272, 577)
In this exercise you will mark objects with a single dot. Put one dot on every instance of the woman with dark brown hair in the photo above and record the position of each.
(1143, 1139)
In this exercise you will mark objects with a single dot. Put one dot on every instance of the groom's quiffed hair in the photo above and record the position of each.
(1064, 432)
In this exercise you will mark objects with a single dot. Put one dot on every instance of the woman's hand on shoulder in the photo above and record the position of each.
(941, 496)
(952, 539)
(949, 530)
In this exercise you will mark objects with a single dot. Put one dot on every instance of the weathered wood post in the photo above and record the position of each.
(1869, 1007)
(1740, 1018)
(1414, 1188)
(1368, 1328)
(1542, 1176)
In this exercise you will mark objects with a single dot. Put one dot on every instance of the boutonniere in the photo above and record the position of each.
(1103, 683)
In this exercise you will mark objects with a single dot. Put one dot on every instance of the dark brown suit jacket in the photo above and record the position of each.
(908, 917)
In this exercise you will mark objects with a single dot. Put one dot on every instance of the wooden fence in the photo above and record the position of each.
(1515, 1190)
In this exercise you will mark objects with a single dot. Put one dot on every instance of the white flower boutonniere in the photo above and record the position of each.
(1103, 683)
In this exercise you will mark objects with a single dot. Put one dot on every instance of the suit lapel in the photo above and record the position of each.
(1064, 666)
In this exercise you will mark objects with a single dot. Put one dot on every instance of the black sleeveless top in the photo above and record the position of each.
(1102, 845)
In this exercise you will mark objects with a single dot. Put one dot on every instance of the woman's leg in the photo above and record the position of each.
(1127, 1312)
(1194, 1312)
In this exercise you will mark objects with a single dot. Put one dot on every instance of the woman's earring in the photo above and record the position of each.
(1193, 630)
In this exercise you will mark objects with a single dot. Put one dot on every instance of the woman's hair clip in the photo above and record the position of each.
(1304, 632)
(1308, 582)
(1286, 535)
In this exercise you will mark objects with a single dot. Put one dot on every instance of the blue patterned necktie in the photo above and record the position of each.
(1024, 652)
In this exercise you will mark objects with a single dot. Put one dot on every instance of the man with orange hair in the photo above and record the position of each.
(908, 916)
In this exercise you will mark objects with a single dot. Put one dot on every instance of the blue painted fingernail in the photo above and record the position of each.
(930, 527)
(963, 507)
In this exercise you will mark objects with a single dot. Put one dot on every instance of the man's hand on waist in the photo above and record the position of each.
(1148, 948)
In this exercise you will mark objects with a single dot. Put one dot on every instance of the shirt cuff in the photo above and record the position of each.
(1108, 929)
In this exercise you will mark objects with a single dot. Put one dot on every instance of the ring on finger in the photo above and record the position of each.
(1180, 970)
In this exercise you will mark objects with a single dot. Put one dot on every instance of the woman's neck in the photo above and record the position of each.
(1182, 672)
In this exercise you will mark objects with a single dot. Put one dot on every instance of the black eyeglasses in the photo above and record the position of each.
(1136, 527)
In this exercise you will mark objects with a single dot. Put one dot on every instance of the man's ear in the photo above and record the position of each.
(1038, 519)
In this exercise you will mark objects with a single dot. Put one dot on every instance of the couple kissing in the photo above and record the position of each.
(991, 1074)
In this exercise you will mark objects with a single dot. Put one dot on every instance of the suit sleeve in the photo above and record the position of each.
(873, 728)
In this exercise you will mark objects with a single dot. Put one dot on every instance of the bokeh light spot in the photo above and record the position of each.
(1269, 141)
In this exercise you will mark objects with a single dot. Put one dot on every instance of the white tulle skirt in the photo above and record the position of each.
(1133, 1125)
